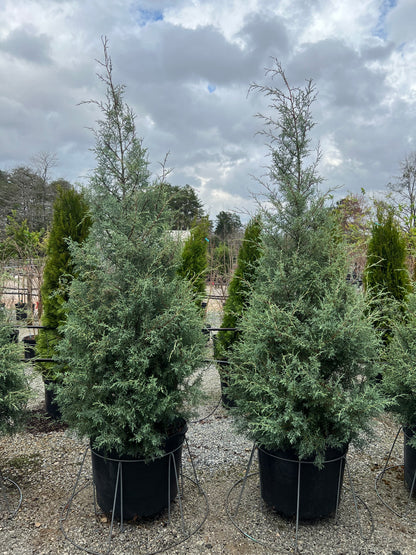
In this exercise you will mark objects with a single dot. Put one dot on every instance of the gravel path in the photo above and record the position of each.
(46, 458)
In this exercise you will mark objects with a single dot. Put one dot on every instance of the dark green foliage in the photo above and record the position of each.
(14, 391)
(132, 336)
(302, 369)
(70, 221)
(386, 270)
(19, 241)
(386, 277)
(239, 288)
(399, 378)
(194, 258)
(185, 205)
(227, 223)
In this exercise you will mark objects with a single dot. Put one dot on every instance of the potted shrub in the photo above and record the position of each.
(14, 390)
(399, 382)
(237, 300)
(70, 220)
(302, 368)
(29, 342)
(133, 333)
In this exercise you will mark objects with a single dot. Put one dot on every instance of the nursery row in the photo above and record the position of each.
(307, 359)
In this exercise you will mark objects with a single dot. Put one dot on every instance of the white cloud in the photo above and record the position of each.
(187, 66)
(400, 22)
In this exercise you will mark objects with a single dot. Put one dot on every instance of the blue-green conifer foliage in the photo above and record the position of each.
(14, 390)
(133, 335)
(302, 369)
(399, 376)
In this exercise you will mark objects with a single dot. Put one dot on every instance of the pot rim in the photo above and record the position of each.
(182, 431)
(343, 454)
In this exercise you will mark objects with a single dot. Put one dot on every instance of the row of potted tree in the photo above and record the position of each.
(128, 343)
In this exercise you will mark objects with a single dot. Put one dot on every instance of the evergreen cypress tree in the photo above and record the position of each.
(70, 221)
(14, 391)
(301, 369)
(239, 289)
(194, 258)
(386, 277)
(132, 336)
(399, 376)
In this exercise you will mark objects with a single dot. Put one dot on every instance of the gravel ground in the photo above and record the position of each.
(46, 459)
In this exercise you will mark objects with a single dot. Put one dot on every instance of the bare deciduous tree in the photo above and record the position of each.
(404, 192)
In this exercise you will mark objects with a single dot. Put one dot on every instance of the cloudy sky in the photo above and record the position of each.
(187, 66)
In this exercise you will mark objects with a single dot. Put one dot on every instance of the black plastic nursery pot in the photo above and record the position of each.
(29, 343)
(227, 402)
(51, 405)
(319, 491)
(225, 380)
(21, 311)
(409, 456)
(145, 488)
(14, 336)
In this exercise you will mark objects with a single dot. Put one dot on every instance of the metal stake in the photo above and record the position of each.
(355, 500)
(297, 508)
(381, 475)
(245, 478)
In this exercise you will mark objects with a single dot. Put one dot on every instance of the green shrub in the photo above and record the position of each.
(194, 258)
(399, 379)
(70, 221)
(303, 367)
(14, 391)
(239, 288)
(386, 277)
(132, 336)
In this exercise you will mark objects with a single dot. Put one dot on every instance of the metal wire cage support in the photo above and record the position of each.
(7, 507)
(409, 504)
(185, 526)
(285, 529)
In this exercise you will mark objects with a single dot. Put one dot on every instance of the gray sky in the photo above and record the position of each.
(187, 66)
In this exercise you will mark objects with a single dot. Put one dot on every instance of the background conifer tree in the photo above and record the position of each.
(386, 277)
(70, 221)
(14, 391)
(194, 262)
(239, 288)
